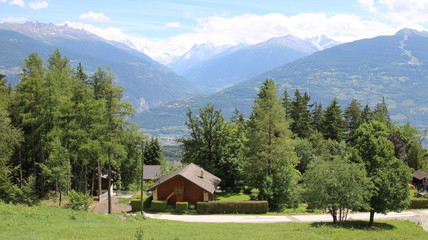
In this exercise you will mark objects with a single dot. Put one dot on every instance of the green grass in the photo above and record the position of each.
(48, 222)
(232, 197)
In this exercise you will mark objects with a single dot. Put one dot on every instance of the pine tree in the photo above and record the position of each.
(334, 124)
(153, 153)
(271, 158)
(317, 118)
(300, 114)
(353, 118)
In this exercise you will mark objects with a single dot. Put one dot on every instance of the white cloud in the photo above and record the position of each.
(20, 3)
(98, 17)
(3, 1)
(369, 5)
(38, 5)
(173, 24)
(13, 19)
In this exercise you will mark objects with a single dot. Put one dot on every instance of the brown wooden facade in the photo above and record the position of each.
(179, 189)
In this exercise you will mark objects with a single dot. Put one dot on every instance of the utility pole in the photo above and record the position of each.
(142, 176)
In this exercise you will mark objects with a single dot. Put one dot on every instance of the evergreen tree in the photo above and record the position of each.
(286, 102)
(300, 114)
(381, 113)
(10, 138)
(353, 118)
(417, 156)
(153, 153)
(334, 124)
(270, 154)
(317, 118)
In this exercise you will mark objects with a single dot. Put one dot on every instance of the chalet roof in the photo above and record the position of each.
(420, 174)
(195, 174)
(152, 172)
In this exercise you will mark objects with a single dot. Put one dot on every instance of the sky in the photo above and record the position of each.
(164, 29)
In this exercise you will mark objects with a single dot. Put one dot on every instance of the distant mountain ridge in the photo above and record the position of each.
(394, 67)
(242, 62)
(147, 83)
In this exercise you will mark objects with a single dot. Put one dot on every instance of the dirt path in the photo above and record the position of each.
(116, 207)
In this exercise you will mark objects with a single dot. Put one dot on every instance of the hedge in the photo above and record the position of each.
(159, 205)
(181, 206)
(232, 207)
(418, 203)
(136, 204)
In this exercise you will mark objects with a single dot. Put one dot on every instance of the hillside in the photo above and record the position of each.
(147, 83)
(394, 67)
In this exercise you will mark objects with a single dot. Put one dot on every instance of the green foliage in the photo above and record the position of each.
(136, 203)
(333, 124)
(388, 174)
(78, 201)
(181, 206)
(258, 207)
(254, 194)
(338, 186)
(300, 114)
(215, 145)
(418, 203)
(159, 205)
(270, 155)
(153, 152)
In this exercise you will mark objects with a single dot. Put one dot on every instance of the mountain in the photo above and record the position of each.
(147, 83)
(197, 54)
(394, 67)
(322, 42)
(243, 62)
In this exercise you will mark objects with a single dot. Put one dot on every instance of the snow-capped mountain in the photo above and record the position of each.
(322, 42)
(197, 54)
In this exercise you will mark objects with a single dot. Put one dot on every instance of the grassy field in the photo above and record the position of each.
(49, 222)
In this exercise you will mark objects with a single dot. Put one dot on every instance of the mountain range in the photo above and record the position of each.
(391, 67)
(147, 83)
(242, 62)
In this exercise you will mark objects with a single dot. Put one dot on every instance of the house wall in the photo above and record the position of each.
(192, 192)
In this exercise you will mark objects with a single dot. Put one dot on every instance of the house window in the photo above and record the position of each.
(179, 191)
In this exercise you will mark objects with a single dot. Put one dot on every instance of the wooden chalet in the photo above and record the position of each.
(420, 179)
(190, 183)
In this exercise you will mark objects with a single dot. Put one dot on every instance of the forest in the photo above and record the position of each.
(63, 130)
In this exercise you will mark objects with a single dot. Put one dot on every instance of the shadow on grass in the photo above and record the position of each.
(361, 225)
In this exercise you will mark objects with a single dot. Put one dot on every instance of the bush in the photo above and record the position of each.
(418, 203)
(232, 207)
(159, 205)
(78, 201)
(254, 195)
(181, 206)
(136, 204)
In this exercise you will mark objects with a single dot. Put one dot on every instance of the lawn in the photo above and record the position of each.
(50, 222)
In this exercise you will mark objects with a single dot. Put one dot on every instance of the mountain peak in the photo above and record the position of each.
(409, 31)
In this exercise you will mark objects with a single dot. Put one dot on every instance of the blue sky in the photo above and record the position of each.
(165, 28)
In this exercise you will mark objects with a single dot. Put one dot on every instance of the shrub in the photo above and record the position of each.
(254, 195)
(181, 206)
(78, 201)
(159, 205)
(418, 203)
(232, 207)
(136, 203)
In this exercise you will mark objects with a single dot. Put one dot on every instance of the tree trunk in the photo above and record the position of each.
(142, 177)
(109, 180)
(85, 180)
(371, 218)
(93, 183)
(99, 181)
(60, 197)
